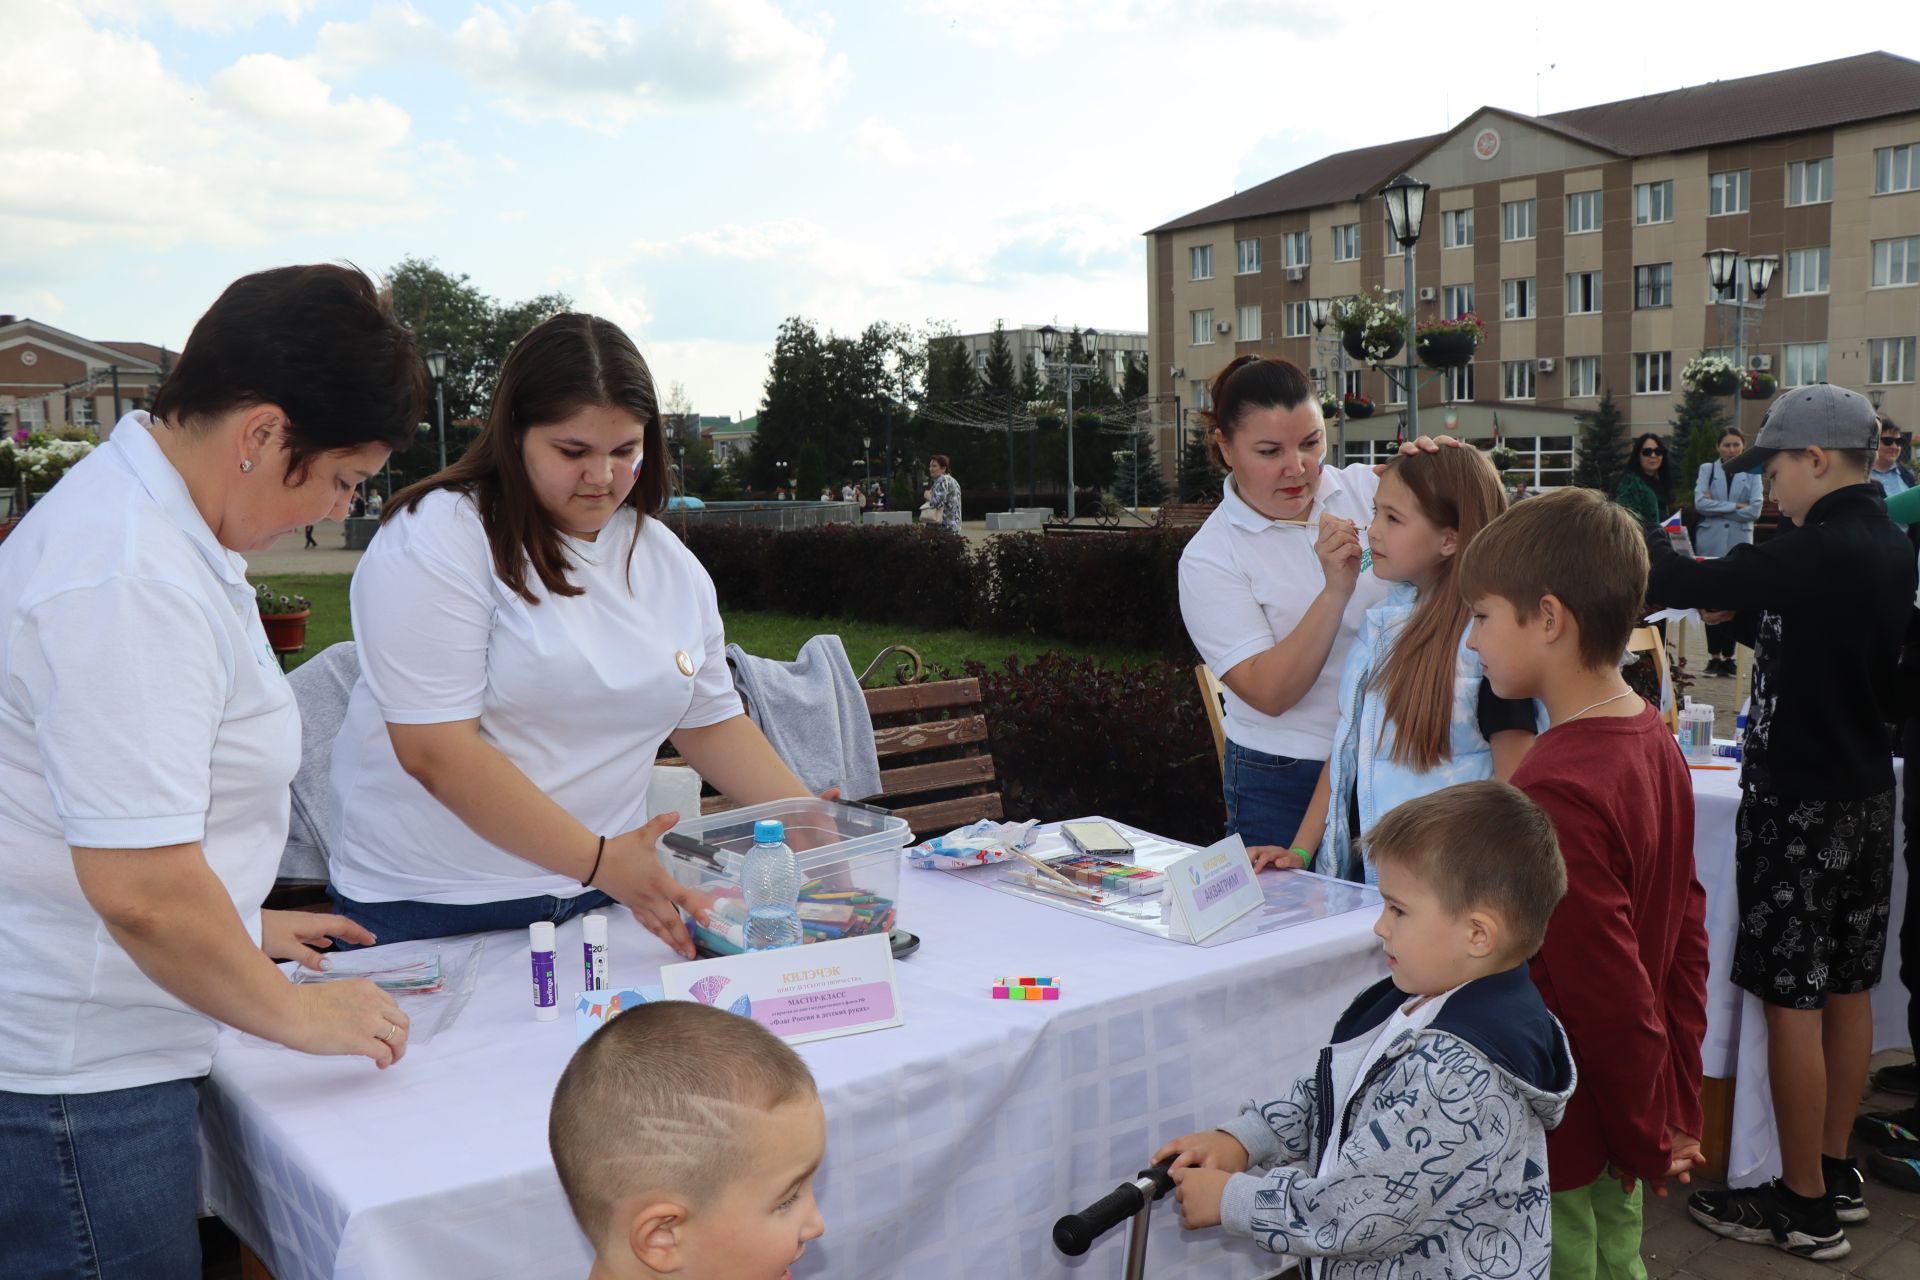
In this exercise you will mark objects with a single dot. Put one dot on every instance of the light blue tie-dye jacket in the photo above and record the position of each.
(1361, 761)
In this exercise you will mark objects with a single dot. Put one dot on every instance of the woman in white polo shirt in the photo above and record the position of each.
(1271, 590)
(529, 634)
(147, 743)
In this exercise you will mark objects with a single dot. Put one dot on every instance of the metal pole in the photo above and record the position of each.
(1340, 405)
(115, 370)
(440, 418)
(1069, 368)
(1412, 374)
(1179, 452)
(1739, 348)
(1011, 499)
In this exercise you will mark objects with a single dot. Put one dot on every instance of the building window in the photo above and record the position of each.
(1456, 300)
(1202, 327)
(1346, 243)
(1200, 393)
(82, 412)
(1248, 255)
(1249, 324)
(1583, 293)
(1810, 182)
(1583, 212)
(1517, 220)
(1726, 193)
(32, 414)
(1200, 262)
(1896, 262)
(1296, 320)
(1652, 373)
(1297, 248)
(1351, 383)
(1806, 363)
(1516, 380)
(1394, 248)
(1516, 298)
(1583, 376)
(1896, 169)
(1807, 270)
(1653, 202)
(980, 361)
(1736, 292)
(1456, 228)
(1460, 382)
(1395, 393)
(1653, 286)
(1890, 360)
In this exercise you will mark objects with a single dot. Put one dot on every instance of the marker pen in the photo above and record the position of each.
(540, 946)
(593, 947)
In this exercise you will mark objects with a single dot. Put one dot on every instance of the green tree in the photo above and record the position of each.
(809, 472)
(837, 392)
(1200, 479)
(1697, 419)
(1134, 383)
(950, 373)
(1000, 377)
(1603, 446)
(1139, 461)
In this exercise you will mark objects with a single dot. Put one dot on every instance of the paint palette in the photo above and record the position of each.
(1123, 878)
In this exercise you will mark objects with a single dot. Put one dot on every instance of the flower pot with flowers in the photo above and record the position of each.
(1371, 327)
(1758, 386)
(1448, 344)
(1329, 405)
(1715, 375)
(1358, 406)
(285, 619)
(1503, 457)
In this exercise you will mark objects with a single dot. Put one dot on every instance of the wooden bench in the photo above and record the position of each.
(936, 770)
(1174, 515)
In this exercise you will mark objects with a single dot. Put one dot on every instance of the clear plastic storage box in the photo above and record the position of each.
(849, 866)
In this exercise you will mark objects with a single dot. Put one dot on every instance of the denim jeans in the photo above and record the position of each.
(100, 1185)
(406, 921)
(1267, 795)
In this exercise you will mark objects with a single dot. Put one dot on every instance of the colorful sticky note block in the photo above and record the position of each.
(1049, 993)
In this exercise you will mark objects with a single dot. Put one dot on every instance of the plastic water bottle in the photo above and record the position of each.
(771, 880)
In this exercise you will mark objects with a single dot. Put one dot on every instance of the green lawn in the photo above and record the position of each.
(769, 635)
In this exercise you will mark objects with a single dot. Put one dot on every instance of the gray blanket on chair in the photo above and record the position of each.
(321, 687)
(814, 714)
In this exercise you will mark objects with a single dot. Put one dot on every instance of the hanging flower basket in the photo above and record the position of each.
(1448, 344)
(1359, 407)
(1047, 421)
(1715, 375)
(1758, 386)
(1329, 404)
(1372, 328)
(1087, 418)
(1503, 457)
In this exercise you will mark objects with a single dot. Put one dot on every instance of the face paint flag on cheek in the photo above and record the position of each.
(638, 461)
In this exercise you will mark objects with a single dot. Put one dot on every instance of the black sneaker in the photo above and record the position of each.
(1897, 1166)
(1769, 1214)
(1845, 1189)
(1884, 1128)
(1902, 1077)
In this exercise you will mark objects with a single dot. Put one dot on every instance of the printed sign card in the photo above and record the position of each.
(813, 992)
(1209, 890)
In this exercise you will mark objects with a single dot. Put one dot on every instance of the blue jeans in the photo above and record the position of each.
(1267, 795)
(100, 1185)
(406, 921)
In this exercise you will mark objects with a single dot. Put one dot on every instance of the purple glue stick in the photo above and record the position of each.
(540, 945)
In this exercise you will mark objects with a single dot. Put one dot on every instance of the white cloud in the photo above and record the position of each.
(554, 62)
(1029, 27)
(133, 152)
(876, 141)
(198, 15)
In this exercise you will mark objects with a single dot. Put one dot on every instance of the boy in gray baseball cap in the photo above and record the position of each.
(1824, 605)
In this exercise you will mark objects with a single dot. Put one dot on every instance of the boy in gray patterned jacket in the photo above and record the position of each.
(1418, 1148)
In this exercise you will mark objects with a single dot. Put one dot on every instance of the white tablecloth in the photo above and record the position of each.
(1736, 1044)
(953, 1142)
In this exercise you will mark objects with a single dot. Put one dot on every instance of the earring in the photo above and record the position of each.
(246, 464)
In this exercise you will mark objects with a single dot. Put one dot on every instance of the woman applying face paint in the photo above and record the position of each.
(1271, 590)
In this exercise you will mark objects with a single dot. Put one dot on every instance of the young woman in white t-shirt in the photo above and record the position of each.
(1271, 591)
(529, 634)
(147, 743)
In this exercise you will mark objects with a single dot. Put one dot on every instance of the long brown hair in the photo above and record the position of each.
(1456, 489)
(563, 365)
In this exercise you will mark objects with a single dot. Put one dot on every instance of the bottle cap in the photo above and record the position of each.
(769, 831)
(593, 929)
(540, 935)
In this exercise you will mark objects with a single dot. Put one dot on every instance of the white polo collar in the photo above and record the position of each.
(133, 438)
(1245, 517)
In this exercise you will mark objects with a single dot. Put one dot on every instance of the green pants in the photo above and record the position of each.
(1596, 1232)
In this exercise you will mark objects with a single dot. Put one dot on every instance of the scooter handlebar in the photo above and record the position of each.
(1074, 1234)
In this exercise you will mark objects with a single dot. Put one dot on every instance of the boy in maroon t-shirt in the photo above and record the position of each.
(1556, 586)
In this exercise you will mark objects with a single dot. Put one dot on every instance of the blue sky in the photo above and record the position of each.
(698, 171)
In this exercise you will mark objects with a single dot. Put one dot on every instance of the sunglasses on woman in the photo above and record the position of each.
(1653, 453)
(1891, 442)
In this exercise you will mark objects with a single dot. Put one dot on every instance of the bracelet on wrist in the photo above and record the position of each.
(597, 855)
(1306, 857)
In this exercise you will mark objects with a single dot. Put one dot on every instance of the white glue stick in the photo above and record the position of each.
(593, 947)
(540, 946)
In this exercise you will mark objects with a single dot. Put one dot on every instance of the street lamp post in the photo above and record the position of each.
(1406, 201)
(1874, 396)
(1072, 373)
(1322, 311)
(1723, 272)
(437, 370)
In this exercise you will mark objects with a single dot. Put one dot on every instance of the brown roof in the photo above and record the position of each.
(145, 351)
(1845, 91)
